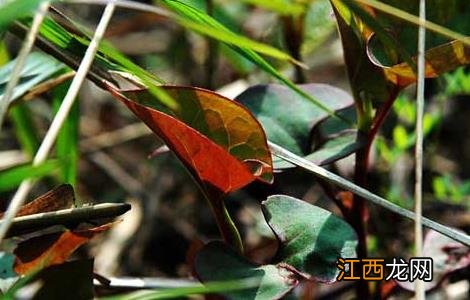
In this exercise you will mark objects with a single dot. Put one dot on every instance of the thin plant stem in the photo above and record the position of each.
(293, 32)
(227, 228)
(358, 215)
(419, 284)
(51, 135)
(212, 55)
(21, 58)
(362, 192)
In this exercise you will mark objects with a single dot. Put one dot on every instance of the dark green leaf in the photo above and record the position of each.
(286, 117)
(13, 10)
(25, 131)
(67, 140)
(217, 262)
(334, 149)
(312, 239)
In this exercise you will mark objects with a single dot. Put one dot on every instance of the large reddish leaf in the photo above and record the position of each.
(217, 139)
(51, 249)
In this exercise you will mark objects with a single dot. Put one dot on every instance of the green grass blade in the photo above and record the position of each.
(12, 178)
(108, 57)
(67, 140)
(235, 40)
(25, 130)
(204, 20)
(197, 20)
(282, 7)
(13, 10)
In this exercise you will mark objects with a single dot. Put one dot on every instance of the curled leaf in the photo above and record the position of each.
(439, 60)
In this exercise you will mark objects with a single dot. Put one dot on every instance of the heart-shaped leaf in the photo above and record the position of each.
(287, 117)
(311, 238)
(218, 262)
(217, 139)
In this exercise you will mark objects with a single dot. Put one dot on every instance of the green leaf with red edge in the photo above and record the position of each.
(439, 60)
(51, 249)
(311, 238)
(218, 262)
(395, 39)
(368, 82)
(217, 139)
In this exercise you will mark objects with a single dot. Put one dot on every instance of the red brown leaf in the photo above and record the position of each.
(218, 140)
(51, 249)
(61, 197)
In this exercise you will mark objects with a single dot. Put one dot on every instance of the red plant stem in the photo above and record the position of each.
(359, 214)
(380, 117)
